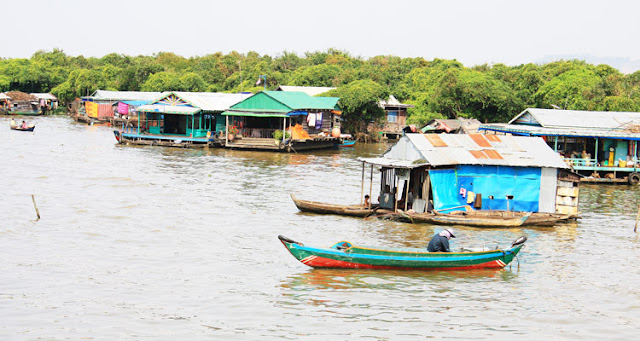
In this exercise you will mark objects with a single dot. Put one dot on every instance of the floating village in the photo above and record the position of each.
(526, 172)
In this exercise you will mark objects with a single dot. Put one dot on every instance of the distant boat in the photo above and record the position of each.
(25, 113)
(346, 255)
(29, 128)
(347, 143)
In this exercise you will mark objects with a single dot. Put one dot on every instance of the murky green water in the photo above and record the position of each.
(172, 244)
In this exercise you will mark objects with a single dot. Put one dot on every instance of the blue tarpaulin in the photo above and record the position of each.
(444, 185)
(522, 183)
(298, 113)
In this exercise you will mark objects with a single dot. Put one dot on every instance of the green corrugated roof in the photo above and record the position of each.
(330, 102)
(283, 101)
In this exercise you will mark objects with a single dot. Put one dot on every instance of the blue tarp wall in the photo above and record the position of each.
(497, 181)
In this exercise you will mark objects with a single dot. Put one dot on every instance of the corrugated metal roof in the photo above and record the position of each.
(309, 90)
(554, 118)
(212, 101)
(107, 95)
(393, 102)
(168, 109)
(44, 96)
(283, 101)
(520, 151)
(541, 131)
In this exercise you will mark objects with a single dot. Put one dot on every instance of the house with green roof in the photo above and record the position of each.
(255, 122)
(180, 119)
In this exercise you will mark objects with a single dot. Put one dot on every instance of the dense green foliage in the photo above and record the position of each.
(437, 88)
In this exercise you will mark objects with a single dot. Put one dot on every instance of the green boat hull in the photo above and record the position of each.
(345, 255)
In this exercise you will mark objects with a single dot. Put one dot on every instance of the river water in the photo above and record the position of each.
(152, 243)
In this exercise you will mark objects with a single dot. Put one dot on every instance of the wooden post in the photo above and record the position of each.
(371, 186)
(226, 130)
(595, 164)
(362, 186)
(406, 192)
(635, 229)
(395, 191)
(138, 123)
(284, 129)
(33, 198)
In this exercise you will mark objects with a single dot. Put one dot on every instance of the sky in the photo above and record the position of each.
(511, 32)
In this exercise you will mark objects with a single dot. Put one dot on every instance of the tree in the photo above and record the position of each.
(359, 101)
(317, 75)
(162, 81)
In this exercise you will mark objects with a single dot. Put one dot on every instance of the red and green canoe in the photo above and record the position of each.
(345, 255)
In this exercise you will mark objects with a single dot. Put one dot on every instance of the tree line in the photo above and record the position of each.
(438, 88)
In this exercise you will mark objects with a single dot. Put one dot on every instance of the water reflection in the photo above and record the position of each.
(348, 279)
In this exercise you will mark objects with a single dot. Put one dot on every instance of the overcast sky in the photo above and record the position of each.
(473, 32)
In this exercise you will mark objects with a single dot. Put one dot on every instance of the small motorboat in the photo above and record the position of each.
(347, 143)
(20, 128)
(346, 255)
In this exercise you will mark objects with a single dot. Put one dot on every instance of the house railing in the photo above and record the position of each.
(258, 133)
(588, 164)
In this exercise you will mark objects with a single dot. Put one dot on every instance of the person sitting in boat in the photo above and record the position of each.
(440, 242)
(13, 122)
(367, 200)
(24, 125)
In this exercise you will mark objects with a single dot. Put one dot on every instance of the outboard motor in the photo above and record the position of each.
(519, 241)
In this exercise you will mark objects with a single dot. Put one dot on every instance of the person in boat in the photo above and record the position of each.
(367, 200)
(24, 125)
(440, 242)
(13, 122)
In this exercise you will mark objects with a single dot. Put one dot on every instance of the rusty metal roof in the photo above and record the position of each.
(462, 149)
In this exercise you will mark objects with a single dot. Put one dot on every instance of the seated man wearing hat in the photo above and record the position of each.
(440, 242)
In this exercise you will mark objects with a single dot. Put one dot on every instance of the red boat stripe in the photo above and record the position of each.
(321, 262)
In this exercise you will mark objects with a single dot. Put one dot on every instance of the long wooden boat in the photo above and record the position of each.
(468, 220)
(346, 255)
(19, 128)
(490, 218)
(323, 208)
(25, 113)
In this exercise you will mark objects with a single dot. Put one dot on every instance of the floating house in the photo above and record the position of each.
(5, 103)
(22, 103)
(180, 119)
(452, 126)
(395, 117)
(46, 101)
(116, 106)
(452, 172)
(600, 145)
(259, 121)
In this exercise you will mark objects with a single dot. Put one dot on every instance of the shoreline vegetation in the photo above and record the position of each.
(437, 88)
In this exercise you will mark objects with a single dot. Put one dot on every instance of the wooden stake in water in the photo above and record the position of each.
(635, 229)
(33, 198)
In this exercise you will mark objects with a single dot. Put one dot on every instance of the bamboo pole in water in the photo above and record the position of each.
(371, 185)
(33, 198)
(635, 229)
(362, 185)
